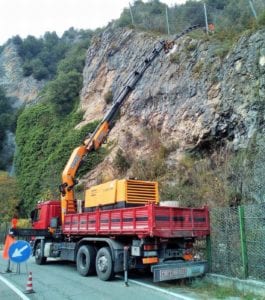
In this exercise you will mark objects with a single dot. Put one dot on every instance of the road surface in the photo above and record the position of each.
(60, 280)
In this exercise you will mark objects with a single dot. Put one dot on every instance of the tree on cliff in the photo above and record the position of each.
(9, 197)
(7, 121)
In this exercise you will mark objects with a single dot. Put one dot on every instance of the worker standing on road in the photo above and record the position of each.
(14, 221)
(9, 238)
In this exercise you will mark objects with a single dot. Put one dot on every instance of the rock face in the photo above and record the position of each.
(20, 89)
(202, 96)
(199, 96)
(6, 155)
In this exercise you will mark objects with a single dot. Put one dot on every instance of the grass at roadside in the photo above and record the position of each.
(212, 291)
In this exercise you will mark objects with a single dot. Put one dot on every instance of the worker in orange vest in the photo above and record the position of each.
(9, 238)
(14, 221)
(8, 242)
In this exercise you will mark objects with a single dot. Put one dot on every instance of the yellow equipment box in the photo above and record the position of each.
(122, 193)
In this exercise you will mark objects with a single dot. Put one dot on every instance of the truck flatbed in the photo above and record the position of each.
(144, 221)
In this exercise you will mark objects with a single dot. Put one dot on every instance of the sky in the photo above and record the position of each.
(35, 17)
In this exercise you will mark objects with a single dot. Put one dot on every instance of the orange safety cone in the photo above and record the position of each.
(29, 287)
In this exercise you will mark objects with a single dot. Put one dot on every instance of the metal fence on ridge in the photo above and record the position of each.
(167, 22)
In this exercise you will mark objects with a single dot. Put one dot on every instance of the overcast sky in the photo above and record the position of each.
(35, 17)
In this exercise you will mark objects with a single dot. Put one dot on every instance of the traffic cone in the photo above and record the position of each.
(29, 287)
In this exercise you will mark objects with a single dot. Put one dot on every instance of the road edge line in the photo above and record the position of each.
(15, 289)
(159, 289)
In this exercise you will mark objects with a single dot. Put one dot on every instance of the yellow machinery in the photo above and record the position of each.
(121, 193)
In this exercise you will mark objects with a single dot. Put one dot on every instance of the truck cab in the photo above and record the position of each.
(46, 214)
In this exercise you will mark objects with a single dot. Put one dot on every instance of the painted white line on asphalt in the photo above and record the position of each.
(12, 287)
(179, 296)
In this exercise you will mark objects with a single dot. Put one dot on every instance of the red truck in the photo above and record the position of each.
(121, 224)
(157, 238)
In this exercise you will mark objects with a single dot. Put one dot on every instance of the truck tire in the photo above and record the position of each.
(85, 260)
(39, 259)
(104, 264)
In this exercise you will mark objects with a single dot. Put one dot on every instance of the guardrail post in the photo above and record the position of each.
(243, 244)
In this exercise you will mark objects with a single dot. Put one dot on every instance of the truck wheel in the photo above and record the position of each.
(104, 264)
(39, 259)
(85, 260)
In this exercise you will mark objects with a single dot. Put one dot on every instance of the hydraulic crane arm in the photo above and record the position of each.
(94, 141)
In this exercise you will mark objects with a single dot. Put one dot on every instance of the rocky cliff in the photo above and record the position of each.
(201, 98)
(21, 89)
(195, 120)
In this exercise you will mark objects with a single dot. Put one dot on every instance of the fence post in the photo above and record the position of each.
(243, 244)
(253, 9)
(209, 252)
(168, 31)
(205, 17)
(131, 13)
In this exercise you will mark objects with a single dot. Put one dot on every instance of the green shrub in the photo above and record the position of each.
(108, 97)
(121, 162)
(261, 19)
(152, 168)
(7, 123)
(62, 93)
(198, 181)
(42, 56)
(197, 70)
(191, 47)
(45, 134)
(174, 58)
(9, 197)
(44, 145)
(222, 49)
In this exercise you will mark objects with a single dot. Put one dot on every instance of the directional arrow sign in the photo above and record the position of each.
(19, 251)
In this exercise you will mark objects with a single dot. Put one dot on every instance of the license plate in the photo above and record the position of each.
(162, 273)
(173, 273)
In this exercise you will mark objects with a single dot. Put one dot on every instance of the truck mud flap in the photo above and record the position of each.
(177, 270)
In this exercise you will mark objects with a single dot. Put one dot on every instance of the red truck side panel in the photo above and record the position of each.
(149, 220)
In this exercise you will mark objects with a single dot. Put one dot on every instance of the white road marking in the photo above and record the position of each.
(12, 287)
(149, 286)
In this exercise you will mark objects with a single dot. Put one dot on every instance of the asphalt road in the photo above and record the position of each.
(60, 280)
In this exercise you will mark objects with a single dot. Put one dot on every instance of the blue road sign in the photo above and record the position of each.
(19, 251)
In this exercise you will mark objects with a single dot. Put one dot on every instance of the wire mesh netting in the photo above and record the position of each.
(255, 240)
(228, 245)
(225, 242)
